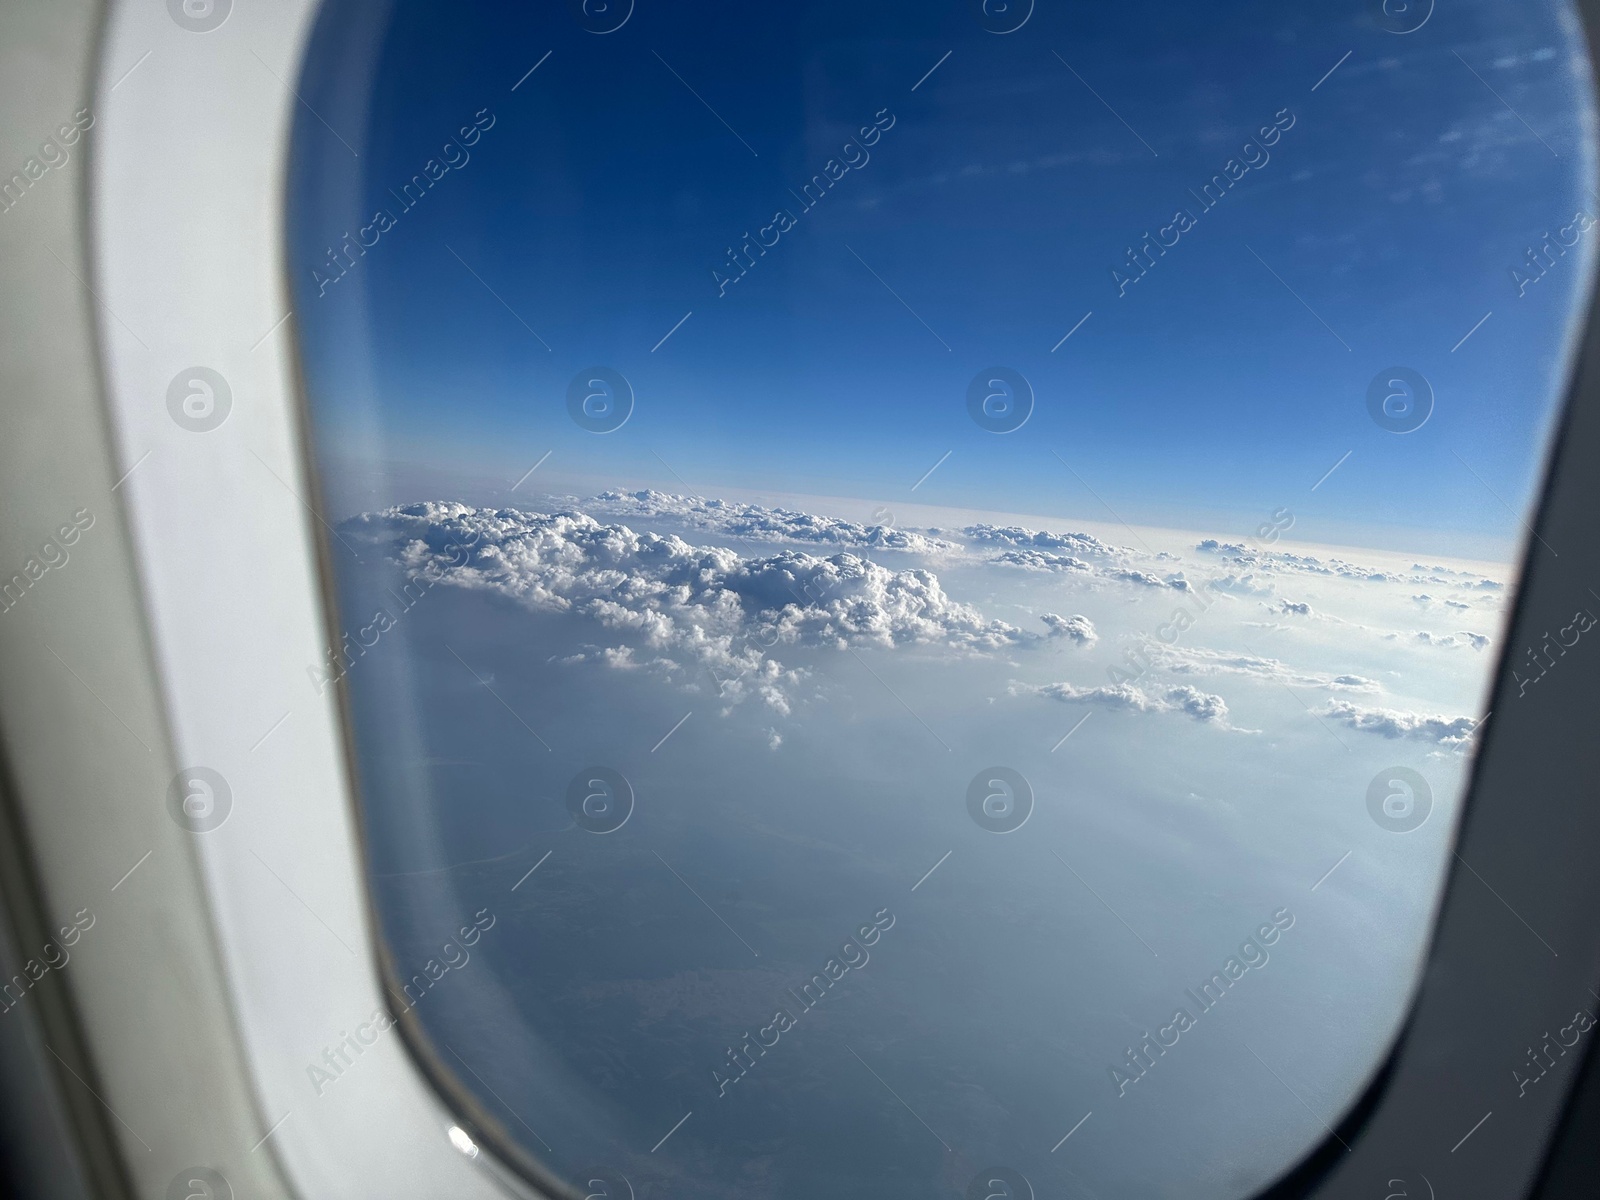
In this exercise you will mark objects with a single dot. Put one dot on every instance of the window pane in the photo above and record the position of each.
(920, 581)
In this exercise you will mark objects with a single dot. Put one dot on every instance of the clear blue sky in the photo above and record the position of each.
(996, 207)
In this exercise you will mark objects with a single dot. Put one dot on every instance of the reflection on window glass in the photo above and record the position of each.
(917, 583)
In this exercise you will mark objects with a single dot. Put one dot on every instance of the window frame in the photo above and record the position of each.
(197, 247)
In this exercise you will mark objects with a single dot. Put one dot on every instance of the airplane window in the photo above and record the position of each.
(916, 584)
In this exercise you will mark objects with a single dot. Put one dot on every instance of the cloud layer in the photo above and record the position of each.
(686, 605)
(1240, 556)
(753, 616)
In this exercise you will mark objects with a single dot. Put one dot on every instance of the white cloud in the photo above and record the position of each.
(1043, 560)
(1016, 535)
(1146, 579)
(1477, 641)
(618, 658)
(678, 603)
(1195, 660)
(755, 522)
(757, 620)
(1393, 723)
(1279, 562)
(1245, 585)
(1039, 560)
(1077, 627)
(1124, 697)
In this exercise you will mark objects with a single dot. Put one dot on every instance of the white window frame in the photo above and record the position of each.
(187, 210)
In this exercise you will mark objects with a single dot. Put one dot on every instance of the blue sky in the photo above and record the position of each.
(984, 225)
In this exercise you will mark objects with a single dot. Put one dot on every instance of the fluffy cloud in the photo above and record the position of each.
(1243, 585)
(1477, 641)
(1146, 579)
(1039, 560)
(707, 606)
(754, 522)
(1202, 706)
(1043, 560)
(1017, 536)
(1391, 723)
(618, 658)
(1078, 628)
